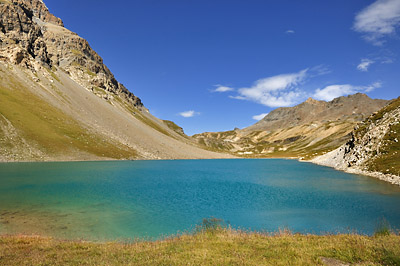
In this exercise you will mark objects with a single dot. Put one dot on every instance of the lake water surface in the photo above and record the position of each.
(129, 199)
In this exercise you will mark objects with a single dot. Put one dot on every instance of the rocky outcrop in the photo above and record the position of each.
(374, 147)
(20, 37)
(30, 36)
(175, 127)
(39, 10)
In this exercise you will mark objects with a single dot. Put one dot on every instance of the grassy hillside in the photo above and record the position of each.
(388, 161)
(48, 130)
(387, 158)
(211, 247)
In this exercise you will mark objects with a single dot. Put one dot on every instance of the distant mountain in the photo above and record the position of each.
(58, 101)
(353, 107)
(374, 147)
(305, 130)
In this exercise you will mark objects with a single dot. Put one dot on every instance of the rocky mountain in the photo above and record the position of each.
(305, 130)
(58, 101)
(374, 147)
(32, 37)
(353, 107)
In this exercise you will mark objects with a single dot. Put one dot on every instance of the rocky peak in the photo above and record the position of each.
(353, 107)
(39, 10)
(30, 36)
(311, 101)
(352, 97)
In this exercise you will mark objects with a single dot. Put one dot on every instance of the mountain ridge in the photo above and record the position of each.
(314, 110)
(302, 131)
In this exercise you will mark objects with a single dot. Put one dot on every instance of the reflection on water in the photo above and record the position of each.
(125, 200)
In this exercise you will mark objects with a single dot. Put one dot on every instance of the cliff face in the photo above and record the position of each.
(30, 36)
(58, 101)
(303, 131)
(374, 147)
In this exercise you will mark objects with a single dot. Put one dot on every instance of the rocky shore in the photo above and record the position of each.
(373, 149)
(334, 162)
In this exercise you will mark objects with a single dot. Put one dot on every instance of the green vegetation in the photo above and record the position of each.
(295, 142)
(151, 123)
(90, 73)
(142, 117)
(213, 246)
(376, 116)
(51, 72)
(59, 93)
(383, 228)
(49, 128)
(388, 159)
(76, 52)
(175, 127)
(98, 90)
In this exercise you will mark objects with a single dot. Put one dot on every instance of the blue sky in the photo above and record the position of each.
(213, 65)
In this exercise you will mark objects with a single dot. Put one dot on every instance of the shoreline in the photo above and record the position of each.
(388, 178)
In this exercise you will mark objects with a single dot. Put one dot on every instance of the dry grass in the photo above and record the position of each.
(215, 247)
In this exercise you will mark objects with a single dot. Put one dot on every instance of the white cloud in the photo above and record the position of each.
(330, 92)
(190, 113)
(221, 88)
(373, 86)
(387, 61)
(364, 64)
(259, 117)
(275, 91)
(378, 20)
(289, 31)
(319, 71)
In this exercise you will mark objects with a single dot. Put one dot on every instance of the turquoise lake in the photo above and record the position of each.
(120, 200)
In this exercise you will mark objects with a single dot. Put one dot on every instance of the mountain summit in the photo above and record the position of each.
(353, 107)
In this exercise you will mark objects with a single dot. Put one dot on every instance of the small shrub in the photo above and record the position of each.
(211, 225)
(382, 228)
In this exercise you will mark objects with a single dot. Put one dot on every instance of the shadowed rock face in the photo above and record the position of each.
(30, 36)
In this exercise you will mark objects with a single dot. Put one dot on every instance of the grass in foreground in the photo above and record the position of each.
(215, 246)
